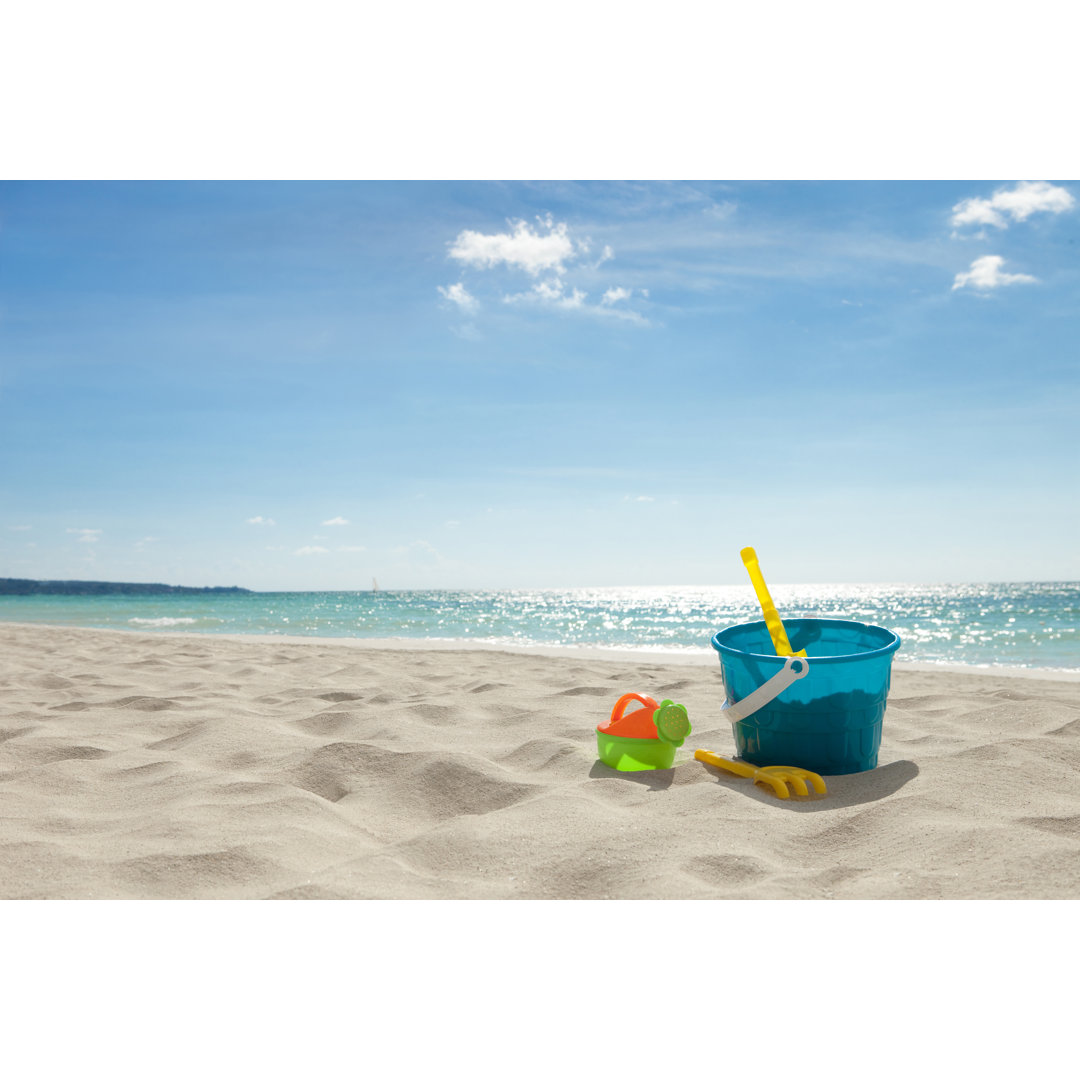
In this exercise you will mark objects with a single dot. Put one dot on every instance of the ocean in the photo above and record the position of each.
(1017, 625)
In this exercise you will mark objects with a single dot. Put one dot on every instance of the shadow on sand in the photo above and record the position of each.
(854, 789)
(653, 779)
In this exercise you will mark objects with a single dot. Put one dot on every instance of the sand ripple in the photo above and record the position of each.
(152, 766)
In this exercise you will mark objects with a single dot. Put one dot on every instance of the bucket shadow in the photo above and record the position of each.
(653, 779)
(852, 789)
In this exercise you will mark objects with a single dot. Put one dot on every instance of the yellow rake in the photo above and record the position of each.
(776, 777)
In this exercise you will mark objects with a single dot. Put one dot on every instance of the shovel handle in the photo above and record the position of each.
(773, 622)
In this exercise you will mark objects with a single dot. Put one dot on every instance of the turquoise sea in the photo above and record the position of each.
(1033, 625)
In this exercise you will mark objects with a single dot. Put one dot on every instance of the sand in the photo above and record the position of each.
(177, 766)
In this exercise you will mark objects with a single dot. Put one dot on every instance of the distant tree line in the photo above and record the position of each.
(26, 587)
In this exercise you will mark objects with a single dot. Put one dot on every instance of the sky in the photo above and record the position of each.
(301, 385)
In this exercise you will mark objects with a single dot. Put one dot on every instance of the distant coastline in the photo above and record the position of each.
(27, 587)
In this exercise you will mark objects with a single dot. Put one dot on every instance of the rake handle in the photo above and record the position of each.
(739, 768)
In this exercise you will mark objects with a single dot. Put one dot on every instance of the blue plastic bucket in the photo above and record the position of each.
(830, 721)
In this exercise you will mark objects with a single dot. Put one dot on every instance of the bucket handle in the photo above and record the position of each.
(739, 710)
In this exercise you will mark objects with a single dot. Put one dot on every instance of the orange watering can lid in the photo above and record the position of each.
(635, 725)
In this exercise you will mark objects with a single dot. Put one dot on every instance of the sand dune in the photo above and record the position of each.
(137, 765)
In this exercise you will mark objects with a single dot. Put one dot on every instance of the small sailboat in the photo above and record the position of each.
(374, 585)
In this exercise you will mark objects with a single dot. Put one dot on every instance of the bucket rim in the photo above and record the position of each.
(891, 647)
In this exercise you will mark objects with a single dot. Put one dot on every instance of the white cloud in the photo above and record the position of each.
(458, 294)
(545, 252)
(977, 212)
(638, 498)
(452, 524)
(19, 528)
(352, 548)
(1020, 202)
(531, 251)
(550, 293)
(311, 550)
(260, 520)
(553, 294)
(1033, 197)
(985, 273)
(87, 536)
(336, 521)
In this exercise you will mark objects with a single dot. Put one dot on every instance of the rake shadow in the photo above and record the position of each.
(853, 789)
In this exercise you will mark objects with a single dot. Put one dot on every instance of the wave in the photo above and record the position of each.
(164, 621)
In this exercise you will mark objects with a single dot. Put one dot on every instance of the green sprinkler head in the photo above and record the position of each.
(672, 722)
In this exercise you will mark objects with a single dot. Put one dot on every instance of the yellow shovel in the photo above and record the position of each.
(772, 618)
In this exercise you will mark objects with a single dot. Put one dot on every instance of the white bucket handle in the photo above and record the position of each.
(739, 710)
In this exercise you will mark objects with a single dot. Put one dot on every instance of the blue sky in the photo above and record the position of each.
(305, 385)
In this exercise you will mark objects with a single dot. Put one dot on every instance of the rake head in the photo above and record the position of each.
(779, 776)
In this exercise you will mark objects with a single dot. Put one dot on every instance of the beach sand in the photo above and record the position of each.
(176, 766)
